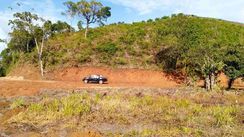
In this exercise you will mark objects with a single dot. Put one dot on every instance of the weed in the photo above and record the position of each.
(224, 115)
(74, 105)
(35, 107)
(18, 103)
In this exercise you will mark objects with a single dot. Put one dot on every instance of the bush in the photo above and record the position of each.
(2, 72)
(107, 48)
(84, 55)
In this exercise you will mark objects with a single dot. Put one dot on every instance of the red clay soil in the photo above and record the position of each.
(29, 71)
(126, 77)
(70, 78)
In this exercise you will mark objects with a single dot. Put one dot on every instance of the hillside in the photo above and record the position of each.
(182, 43)
(136, 45)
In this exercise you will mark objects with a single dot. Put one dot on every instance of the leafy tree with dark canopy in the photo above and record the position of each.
(234, 63)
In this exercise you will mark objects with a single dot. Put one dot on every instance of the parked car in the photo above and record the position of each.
(95, 79)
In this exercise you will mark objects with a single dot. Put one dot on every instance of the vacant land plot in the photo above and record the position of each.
(124, 112)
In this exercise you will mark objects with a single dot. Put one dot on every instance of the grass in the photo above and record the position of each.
(130, 115)
(17, 103)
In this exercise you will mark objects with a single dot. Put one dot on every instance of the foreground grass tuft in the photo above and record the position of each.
(20, 102)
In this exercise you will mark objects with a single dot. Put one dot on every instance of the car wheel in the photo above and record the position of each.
(100, 82)
(86, 81)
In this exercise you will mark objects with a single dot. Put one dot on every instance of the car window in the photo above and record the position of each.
(94, 76)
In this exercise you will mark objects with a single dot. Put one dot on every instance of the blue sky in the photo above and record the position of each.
(126, 10)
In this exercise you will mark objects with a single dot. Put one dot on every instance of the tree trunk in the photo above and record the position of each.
(207, 83)
(27, 47)
(41, 64)
(212, 81)
(39, 51)
(230, 83)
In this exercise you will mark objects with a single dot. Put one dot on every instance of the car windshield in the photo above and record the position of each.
(94, 76)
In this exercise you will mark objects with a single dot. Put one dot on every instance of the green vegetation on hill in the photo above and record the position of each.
(198, 47)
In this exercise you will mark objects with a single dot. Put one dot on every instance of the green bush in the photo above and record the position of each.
(2, 72)
(107, 48)
(84, 55)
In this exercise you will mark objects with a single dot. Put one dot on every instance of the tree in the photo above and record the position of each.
(6, 59)
(61, 27)
(1, 40)
(41, 35)
(23, 26)
(24, 22)
(71, 10)
(209, 70)
(193, 53)
(234, 63)
(89, 12)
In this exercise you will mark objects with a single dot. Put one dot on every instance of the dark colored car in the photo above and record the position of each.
(95, 79)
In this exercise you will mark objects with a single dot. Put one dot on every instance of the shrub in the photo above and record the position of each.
(84, 55)
(2, 71)
(107, 48)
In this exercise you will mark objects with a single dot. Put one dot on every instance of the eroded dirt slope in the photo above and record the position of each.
(116, 76)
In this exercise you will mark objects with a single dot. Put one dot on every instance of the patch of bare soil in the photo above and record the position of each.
(27, 71)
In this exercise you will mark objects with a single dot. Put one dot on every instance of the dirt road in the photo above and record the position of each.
(9, 88)
(28, 82)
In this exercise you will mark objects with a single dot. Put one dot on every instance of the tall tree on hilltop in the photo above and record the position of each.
(70, 12)
(90, 12)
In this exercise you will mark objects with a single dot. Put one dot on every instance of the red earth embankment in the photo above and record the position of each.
(70, 78)
(121, 77)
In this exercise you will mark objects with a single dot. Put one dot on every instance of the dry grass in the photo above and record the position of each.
(119, 114)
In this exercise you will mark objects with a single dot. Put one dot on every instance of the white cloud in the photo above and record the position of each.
(224, 9)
